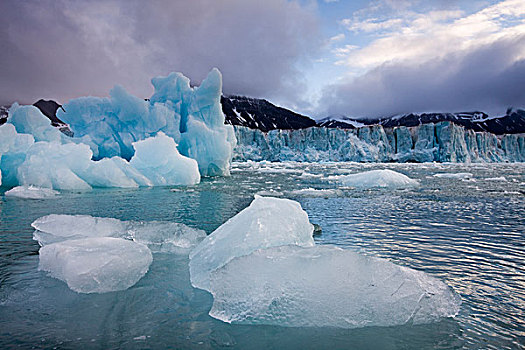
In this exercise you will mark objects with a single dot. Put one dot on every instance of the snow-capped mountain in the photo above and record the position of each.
(260, 114)
(513, 122)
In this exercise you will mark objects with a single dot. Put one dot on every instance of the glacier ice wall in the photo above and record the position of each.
(440, 142)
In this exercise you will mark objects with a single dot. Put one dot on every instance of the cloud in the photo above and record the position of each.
(62, 49)
(488, 78)
(440, 60)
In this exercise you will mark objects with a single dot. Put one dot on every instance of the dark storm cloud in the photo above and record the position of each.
(64, 49)
(489, 78)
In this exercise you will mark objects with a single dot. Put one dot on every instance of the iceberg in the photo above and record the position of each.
(69, 166)
(121, 141)
(31, 192)
(383, 178)
(192, 117)
(267, 222)
(326, 286)
(96, 265)
(159, 236)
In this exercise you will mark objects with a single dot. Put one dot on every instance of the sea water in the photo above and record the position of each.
(466, 228)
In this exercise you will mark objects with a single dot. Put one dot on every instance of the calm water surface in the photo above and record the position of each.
(468, 230)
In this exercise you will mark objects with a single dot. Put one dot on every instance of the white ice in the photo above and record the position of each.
(158, 159)
(384, 178)
(96, 265)
(157, 235)
(31, 192)
(326, 286)
(312, 192)
(267, 222)
(454, 175)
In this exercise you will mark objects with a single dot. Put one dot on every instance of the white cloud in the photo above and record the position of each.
(435, 61)
(420, 37)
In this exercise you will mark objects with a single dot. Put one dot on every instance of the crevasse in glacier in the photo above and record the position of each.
(121, 141)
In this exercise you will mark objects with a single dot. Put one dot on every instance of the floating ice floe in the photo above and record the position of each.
(384, 178)
(312, 192)
(454, 175)
(497, 179)
(31, 192)
(267, 222)
(98, 255)
(96, 265)
(158, 235)
(325, 286)
(269, 193)
(262, 267)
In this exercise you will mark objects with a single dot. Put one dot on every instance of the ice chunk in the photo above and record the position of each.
(500, 178)
(312, 192)
(96, 265)
(267, 222)
(160, 161)
(454, 175)
(59, 227)
(326, 286)
(376, 178)
(158, 235)
(31, 192)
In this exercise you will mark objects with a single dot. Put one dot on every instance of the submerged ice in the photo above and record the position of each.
(121, 141)
(262, 267)
(326, 286)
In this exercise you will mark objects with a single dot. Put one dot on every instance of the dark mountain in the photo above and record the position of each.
(513, 122)
(261, 114)
(3, 114)
(49, 108)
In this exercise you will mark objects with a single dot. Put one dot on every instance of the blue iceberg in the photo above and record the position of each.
(173, 138)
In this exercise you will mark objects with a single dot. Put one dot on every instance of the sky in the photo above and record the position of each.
(356, 58)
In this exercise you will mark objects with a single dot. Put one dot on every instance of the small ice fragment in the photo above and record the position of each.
(31, 192)
(501, 178)
(384, 178)
(454, 175)
(312, 192)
